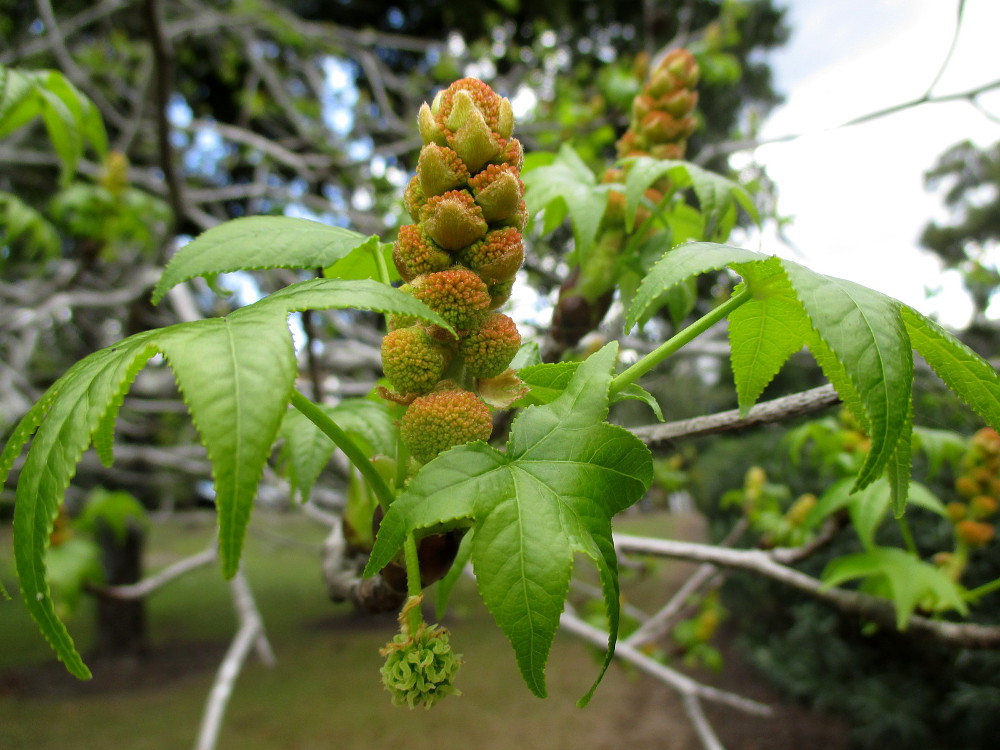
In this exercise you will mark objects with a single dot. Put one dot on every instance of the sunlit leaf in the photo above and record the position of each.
(258, 242)
(909, 582)
(567, 180)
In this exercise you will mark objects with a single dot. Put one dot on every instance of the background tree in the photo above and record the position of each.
(970, 177)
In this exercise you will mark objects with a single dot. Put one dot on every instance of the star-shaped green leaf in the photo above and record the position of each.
(566, 472)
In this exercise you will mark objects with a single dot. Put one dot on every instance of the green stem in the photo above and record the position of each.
(413, 587)
(981, 591)
(681, 338)
(343, 441)
(908, 540)
(402, 463)
(383, 269)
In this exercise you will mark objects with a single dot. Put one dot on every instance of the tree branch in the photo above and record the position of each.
(879, 611)
(704, 577)
(671, 677)
(731, 147)
(249, 635)
(147, 586)
(69, 66)
(162, 85)
(776, 410)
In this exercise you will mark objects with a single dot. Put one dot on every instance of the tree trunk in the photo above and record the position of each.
(121, 623)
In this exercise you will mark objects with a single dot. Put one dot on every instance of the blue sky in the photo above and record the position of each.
(857, 194)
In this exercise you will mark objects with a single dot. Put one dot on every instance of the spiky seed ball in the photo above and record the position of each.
(496, 257)
(443, 419)
(412, 360)
(488, 350)
(458, 295)
(414, 253)
(420, 668)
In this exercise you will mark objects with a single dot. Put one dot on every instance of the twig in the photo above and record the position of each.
(951, 49)
(657, 626)
(70, 26)
(77, 74)
(776, 410)
(276, 87)
(731, 147)
(249, 635)
(163, 83)
(671, 677)
(702, 727)
(705, 576)
(879, 611)
(142, 280)
(303, 164)
(147, 586)
(593, 592)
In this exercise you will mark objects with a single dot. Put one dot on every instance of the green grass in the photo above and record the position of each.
(324, 691)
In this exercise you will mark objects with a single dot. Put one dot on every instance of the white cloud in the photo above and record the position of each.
(857, 194)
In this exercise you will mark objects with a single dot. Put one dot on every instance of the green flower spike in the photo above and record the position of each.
(420, 666)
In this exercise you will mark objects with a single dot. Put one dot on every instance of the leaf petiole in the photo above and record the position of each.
(675, 342)
(413, 587)
(383, 269)
(343, 441)
(981, 591)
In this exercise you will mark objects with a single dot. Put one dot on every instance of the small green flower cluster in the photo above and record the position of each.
(420, 666)
(459, 259)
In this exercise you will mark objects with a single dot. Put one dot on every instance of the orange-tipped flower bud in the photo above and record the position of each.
(443, 419)
(472, 138)
(414, 198)
(495, 110)
(496, 257)
(512, 154)
(440, 169)
(681, 64)
(498, 191)
(956, 511)
(982, 506)
(458, 295)
(987, 439)
(488, 350)
(661, 126)
(679, 103)
(414, 253)
(975, 533)
(966, 486)
(453, 220)
(412, 360)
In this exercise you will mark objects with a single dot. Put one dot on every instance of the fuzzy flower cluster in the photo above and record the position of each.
(979, 486)
(459, 258)
(662, 114)
(662, 120)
